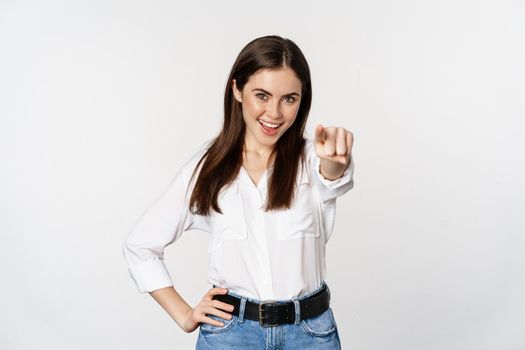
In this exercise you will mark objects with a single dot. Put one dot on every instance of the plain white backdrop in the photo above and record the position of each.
(102, 101)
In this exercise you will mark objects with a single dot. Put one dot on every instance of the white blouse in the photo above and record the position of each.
(272, 255)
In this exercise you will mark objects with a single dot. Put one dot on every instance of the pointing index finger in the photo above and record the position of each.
(320, 134)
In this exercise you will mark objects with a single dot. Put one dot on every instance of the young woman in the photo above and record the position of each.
(267, 197)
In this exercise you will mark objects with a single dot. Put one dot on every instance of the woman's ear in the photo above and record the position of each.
(236, 93)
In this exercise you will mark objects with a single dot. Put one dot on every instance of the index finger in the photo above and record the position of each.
(215, 291)
(320, 134)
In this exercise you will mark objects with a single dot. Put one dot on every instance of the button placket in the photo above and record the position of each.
(263, 234)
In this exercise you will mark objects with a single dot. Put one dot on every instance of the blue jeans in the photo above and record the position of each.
(318, 332)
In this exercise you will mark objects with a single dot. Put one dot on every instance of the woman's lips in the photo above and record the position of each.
(268, 131)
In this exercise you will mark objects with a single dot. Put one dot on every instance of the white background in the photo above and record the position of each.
(102, 101)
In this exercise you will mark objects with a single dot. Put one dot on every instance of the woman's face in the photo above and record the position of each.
(270, 102)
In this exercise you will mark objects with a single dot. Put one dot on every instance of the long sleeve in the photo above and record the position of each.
(161, 224)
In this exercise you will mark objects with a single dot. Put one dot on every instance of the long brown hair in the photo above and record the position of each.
(223, 158)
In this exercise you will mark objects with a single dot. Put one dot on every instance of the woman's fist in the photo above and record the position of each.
(333, 143)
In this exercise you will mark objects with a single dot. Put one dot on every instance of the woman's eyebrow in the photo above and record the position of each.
(266, 92)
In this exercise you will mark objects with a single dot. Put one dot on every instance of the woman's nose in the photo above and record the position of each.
(274, 109)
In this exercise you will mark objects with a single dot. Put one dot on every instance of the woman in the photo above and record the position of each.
(267, 197)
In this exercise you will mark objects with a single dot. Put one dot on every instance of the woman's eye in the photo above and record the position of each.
(263, 97)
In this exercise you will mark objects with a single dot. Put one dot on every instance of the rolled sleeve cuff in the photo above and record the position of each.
(151, 275)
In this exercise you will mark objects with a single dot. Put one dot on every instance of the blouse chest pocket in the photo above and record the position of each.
(299, 221)
(230, 225)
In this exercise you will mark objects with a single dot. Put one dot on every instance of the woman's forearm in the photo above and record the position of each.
(172, 303)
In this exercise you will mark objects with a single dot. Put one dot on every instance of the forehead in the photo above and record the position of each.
(278, 81)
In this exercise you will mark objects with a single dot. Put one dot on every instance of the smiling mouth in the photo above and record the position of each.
(271, 126)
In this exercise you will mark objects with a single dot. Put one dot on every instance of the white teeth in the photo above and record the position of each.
(273, 126)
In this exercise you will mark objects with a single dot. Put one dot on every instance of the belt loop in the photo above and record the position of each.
(297, 308)
(242, 307)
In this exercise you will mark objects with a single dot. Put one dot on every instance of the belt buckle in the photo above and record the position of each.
(262, 310)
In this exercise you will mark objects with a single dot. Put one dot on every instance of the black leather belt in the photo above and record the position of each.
(271, 313)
